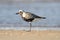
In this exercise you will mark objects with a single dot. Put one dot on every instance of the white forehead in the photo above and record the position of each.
(20, 10)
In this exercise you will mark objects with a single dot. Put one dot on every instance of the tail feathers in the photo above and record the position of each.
(40, 17)
(43, 17)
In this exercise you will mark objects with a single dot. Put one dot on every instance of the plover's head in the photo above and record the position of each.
(20, 12)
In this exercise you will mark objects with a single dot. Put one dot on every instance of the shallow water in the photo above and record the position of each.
(51, 11)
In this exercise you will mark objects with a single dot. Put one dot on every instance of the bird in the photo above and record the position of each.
(29, 17)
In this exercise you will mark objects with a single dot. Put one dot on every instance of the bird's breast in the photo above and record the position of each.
(24, 15)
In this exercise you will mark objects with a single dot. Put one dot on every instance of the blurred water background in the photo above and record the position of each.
(49, 9)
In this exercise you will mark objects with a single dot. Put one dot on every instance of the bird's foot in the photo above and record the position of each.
(27, 30)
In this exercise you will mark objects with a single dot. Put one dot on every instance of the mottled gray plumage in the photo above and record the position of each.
(34, 16)
(28, 16)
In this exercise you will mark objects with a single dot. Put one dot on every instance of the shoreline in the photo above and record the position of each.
(33, 35)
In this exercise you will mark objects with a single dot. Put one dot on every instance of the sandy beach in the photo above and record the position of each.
(33, 35)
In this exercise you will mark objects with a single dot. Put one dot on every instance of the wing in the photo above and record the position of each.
(35, 16)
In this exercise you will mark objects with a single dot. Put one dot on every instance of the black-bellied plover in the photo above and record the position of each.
(29, 17)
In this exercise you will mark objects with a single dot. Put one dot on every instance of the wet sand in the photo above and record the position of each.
(33, 35)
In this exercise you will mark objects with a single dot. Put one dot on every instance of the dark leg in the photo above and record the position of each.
(30, 25)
